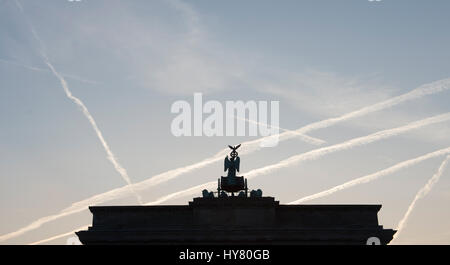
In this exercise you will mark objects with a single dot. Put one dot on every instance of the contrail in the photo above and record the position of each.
(374, 176)
(36, 224)
(94, 200)
(38, 69)
(111, 157)
(175, 195)
(59, 236)
(303, 137)
(158, 201)
(314, 154)
(192, 190)
(317, 153)
(420, 194)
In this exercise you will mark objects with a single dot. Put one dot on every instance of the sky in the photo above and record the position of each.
(129, 61)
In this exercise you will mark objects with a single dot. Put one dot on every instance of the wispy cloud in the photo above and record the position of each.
(326, 93)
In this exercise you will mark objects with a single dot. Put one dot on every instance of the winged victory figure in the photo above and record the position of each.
(232, 165)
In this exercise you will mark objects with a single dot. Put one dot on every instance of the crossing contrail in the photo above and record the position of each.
(373, 176)
(110, 156)
(314, 154)
(420, 194)
(317, 153)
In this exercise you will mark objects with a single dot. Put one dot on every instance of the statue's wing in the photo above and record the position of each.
(226, 163)
(237, 146)
(230, 147)
(237, 161)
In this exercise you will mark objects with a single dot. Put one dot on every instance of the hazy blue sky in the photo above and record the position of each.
(128, 61)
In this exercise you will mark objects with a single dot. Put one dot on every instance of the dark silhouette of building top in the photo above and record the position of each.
(235, 221)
